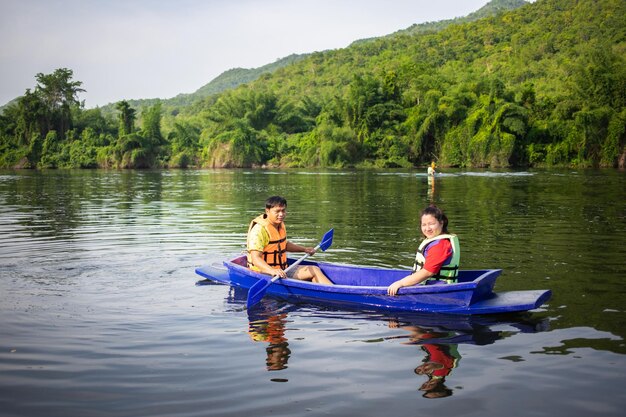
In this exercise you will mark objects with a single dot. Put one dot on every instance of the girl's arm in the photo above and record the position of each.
(413, 279)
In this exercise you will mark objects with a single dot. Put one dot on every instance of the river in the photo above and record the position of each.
(101, 314)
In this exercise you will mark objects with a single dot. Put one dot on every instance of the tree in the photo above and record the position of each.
(138, 149)
(600, 77)
(59, 94)
(184, 141)
(151, 125)
(126, 118)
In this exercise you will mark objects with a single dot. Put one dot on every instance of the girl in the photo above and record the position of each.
(438, 255)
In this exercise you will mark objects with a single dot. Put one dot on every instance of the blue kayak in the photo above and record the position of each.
(365, 288)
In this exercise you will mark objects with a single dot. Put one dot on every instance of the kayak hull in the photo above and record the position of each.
(365, 288)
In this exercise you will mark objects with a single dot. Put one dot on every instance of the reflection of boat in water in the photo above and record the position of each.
(438, 336)
(443, 328)
(365, 288)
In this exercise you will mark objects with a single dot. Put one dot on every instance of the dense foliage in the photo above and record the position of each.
(542, 85)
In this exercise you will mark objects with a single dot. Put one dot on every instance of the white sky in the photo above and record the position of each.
(134, 49)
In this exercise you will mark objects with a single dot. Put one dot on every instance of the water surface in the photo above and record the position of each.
(100, 314)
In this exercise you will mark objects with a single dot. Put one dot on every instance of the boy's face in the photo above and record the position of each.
(276, 215)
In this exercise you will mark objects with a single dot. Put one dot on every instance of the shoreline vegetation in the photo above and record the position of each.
(531, 85)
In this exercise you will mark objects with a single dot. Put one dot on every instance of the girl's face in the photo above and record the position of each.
(431, 227)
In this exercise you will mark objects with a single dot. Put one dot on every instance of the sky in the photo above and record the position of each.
(139, 49)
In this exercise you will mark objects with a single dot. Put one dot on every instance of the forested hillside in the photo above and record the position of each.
(225, 81)
(237, 76)
(543, 85)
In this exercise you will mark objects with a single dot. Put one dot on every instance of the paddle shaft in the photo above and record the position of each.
(293, 265)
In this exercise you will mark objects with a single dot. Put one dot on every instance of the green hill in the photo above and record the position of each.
(235, 77)
(227, 80)
(539, 85)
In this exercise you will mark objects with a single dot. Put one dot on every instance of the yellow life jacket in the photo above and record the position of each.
(448, 272)
(275, 252)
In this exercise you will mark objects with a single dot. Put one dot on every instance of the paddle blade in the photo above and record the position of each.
(257, 291)
(327, 240)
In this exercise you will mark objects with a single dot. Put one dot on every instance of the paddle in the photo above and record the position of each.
(257, 291)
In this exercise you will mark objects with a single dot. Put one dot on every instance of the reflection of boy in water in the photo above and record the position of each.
(277, 356)
(438, 363)
(272, 330)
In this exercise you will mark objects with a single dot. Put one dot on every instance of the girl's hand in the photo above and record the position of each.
(393, 288)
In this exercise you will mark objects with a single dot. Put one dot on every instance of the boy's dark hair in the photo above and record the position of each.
(275, 201)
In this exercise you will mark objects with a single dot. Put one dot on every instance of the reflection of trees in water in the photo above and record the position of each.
(58, 201)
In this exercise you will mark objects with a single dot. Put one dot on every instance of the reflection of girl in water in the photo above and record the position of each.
(438, 363)
(272, 330)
